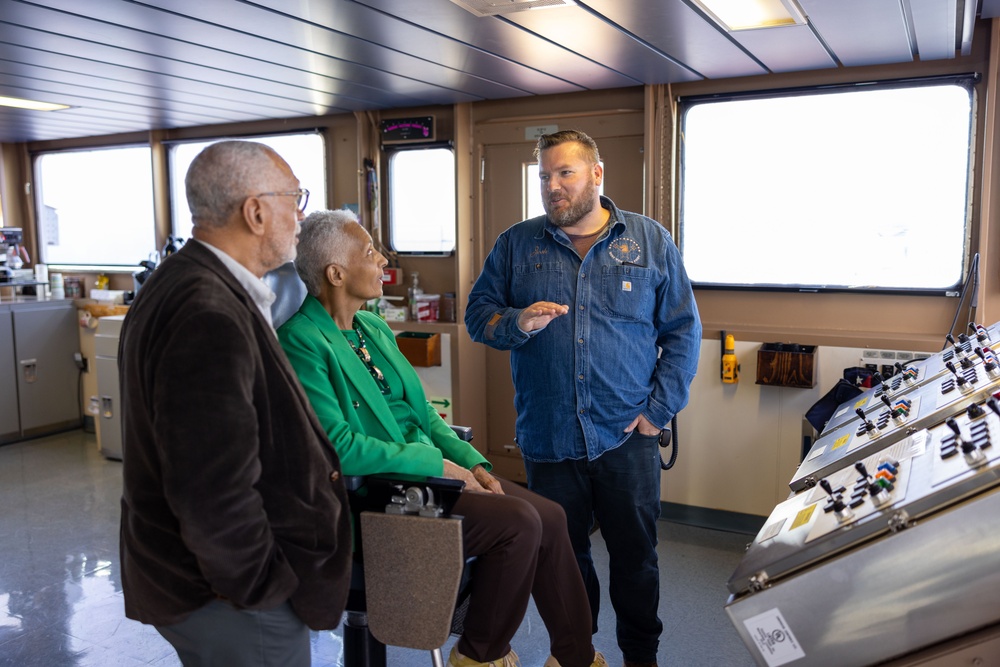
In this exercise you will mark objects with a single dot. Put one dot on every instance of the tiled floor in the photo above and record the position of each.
(61, 599)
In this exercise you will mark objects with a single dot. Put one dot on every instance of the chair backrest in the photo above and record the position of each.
(289, 290)
(413, 570)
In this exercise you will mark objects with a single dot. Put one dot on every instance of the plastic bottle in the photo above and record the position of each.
(412, 292)
(447, 313)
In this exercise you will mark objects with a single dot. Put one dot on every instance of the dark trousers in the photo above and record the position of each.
(523, 550)
(219, 635)
(621, 489)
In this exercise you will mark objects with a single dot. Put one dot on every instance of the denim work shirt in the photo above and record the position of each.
(629, 298)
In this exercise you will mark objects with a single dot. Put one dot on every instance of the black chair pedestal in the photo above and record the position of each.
(360, 648)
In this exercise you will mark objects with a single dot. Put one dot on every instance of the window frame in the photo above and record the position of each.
(106, 197)
(177, 196)
(391, 152)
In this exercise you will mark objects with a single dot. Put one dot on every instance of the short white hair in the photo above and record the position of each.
(323, 240)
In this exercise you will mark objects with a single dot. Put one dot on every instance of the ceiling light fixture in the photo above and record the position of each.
(753, 14)
(33, 105)
(485, 8)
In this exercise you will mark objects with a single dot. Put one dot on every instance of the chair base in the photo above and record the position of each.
(360, 648)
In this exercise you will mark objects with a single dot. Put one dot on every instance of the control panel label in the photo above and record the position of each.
(803, 517)
(773, 638)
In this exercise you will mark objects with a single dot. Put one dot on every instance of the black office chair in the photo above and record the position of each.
(409, 580)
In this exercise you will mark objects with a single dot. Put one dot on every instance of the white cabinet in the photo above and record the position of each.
(108, 420)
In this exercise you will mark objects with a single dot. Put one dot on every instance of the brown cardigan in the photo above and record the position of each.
(231, 488)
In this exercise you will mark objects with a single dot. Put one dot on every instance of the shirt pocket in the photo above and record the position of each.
(627, 292)
(538, 281)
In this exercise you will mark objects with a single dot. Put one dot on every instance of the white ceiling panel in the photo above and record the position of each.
(786, 49)
(862, 32)
(934, 27)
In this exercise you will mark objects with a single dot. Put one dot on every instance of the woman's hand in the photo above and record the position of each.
(476, 479)
(486, 480)
(453, 471)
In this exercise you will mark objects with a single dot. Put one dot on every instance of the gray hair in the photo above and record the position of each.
(587, 145)
(223, 175)
(322, 241)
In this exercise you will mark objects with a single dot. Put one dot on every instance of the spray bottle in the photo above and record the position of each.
(730, 366)
(412, 296)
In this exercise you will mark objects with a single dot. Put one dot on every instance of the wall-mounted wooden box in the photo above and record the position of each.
(787, 365)
(420, 348)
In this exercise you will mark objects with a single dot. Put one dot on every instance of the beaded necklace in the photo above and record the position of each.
(362, 351)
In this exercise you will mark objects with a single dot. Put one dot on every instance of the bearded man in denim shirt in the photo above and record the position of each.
(598, 313)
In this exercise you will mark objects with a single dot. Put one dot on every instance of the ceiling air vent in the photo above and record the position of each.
(499, 7)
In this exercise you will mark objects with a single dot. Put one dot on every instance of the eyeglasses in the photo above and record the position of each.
(301, 197)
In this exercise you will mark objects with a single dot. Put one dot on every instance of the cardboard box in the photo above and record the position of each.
(419, 348)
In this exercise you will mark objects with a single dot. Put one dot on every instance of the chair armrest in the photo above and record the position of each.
(463, 432)
(375, 492)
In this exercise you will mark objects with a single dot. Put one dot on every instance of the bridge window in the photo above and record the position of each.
(305, 153)
(95, 207)
(422, 207)
(862, 187)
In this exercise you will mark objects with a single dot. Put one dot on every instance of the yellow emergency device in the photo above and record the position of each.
(730, 367)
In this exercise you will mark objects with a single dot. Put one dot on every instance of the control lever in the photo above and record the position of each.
(973, 455)
(981, 334)
(869, 426)
(878, 493)
(953, 425)
(959, 378)
(954, 344)
(989, 359)
(992, 404)
(840, 510)
(899, 410)
(904, 372)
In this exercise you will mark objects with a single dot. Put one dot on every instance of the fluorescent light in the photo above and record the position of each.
(753, 14)
(34, 105)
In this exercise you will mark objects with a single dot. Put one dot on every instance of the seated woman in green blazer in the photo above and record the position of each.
(371, 403)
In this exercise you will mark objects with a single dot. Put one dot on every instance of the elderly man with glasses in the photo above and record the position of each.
(235, 537)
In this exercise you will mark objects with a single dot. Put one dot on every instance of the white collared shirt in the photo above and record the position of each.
(258, 290)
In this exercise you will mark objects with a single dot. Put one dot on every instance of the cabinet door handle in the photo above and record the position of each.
(107, 407)
(29, 369)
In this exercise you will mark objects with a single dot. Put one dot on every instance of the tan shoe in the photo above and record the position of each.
(599, 661)
(456, 659)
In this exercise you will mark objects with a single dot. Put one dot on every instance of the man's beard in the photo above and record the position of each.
(577, 209)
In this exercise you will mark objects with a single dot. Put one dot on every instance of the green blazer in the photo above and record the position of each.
(350, 406)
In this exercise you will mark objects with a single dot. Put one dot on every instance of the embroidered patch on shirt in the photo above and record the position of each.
(625, 250)
(626, 285)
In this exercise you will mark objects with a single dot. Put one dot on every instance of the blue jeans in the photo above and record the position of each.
(621, 489)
